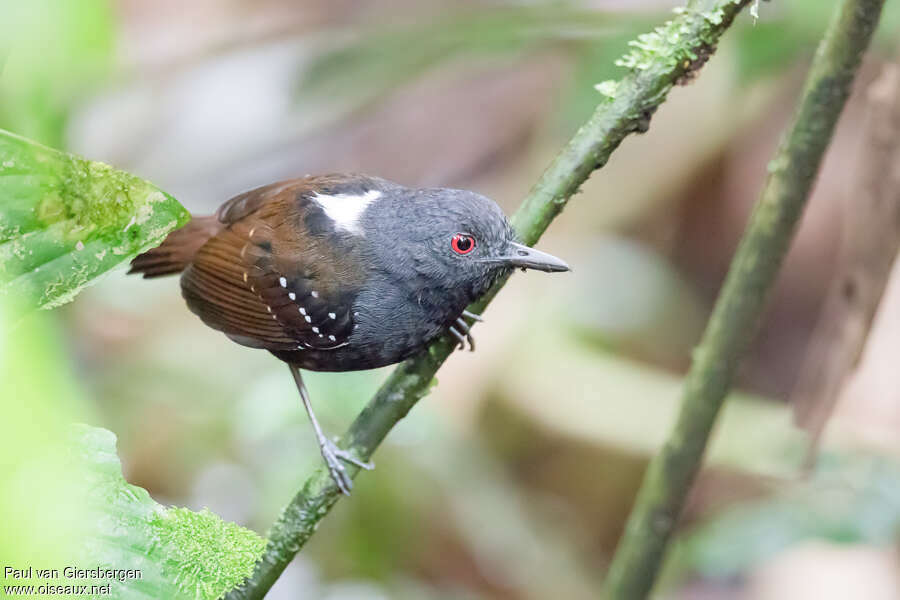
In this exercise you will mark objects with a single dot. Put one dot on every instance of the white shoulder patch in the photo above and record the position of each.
(346, 209)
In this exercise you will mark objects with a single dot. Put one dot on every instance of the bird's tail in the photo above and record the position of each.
(177, 250)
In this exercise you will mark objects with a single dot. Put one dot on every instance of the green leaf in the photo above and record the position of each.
(64, 221)
(180, 553)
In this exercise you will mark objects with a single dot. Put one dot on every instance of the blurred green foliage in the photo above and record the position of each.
(850, 499)
(377, 61)
(372, 64)
(64, 501)
(37, 404)
(55, 51)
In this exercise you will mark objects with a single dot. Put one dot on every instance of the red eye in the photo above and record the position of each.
(462, 243)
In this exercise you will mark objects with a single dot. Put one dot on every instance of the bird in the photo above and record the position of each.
(342, 272)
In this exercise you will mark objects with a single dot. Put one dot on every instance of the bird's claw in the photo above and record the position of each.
(462, 331)
(473, 316)
(463, 336)
(332, 455)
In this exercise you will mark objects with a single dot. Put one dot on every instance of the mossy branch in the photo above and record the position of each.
(656, 62)
(737, 311)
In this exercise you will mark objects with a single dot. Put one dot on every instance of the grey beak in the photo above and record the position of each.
(528, 258)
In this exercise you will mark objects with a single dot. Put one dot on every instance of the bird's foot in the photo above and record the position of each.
(333, 457)
(461, 331)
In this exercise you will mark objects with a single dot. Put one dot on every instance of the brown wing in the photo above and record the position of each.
(266, 281)
(243, 205)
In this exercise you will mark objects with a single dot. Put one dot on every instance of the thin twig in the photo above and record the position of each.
(657, 61)
(737, 311)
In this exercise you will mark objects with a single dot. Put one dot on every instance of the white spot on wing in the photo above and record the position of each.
(314, 294)
(331, 315)
(292, 295)
(282, 281)
(346, 209)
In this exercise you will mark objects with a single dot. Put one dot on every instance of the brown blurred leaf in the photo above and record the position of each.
(871, 239)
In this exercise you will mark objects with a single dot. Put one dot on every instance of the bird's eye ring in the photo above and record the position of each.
(462, 243)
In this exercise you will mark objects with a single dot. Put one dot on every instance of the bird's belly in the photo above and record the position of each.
(349, 358)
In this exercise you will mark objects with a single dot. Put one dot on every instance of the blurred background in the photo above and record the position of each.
(513, 479)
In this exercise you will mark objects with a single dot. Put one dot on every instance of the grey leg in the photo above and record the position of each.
(473, 316)
(330, 452)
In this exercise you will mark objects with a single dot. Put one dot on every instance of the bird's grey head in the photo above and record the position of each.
(452, 239)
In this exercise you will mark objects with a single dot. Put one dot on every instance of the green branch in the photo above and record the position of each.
(657, 61)
(734, 319)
